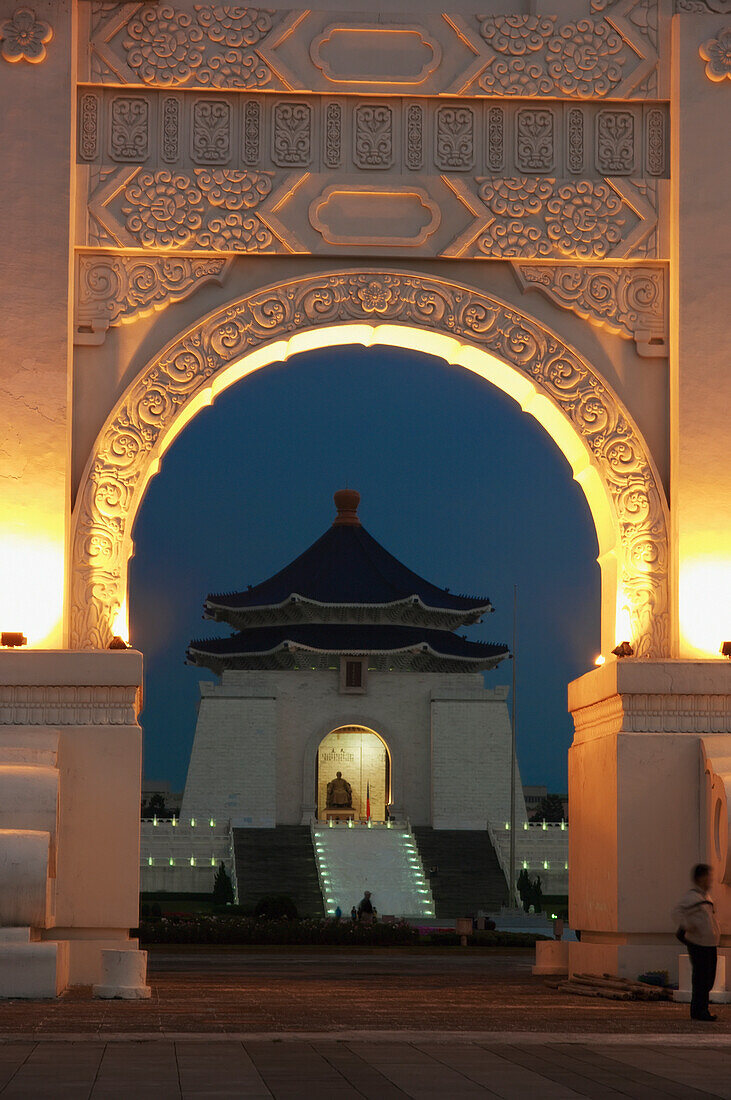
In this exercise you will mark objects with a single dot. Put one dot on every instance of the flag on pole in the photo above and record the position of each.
(368, 801)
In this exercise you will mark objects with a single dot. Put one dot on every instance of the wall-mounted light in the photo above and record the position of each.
(117, 642)
(624, 649)
(12, 638)
(600, 661)
(725, 649)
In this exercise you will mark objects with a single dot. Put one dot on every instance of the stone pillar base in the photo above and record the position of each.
(123, 975)
(721, 992)
(29, 969)
(552, 957)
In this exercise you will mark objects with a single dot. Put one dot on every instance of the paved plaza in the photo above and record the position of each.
(306, 1023)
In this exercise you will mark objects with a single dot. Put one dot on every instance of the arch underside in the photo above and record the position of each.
(549, 379)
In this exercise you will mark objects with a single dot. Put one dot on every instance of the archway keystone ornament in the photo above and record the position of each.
(369, 307)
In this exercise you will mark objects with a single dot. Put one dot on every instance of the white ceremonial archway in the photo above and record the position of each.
(507, 347)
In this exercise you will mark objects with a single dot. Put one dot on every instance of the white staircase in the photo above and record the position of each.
(383, 858)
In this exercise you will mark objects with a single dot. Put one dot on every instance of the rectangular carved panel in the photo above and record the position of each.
(394, 134)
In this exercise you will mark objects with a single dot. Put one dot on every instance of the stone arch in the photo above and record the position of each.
(466, 327)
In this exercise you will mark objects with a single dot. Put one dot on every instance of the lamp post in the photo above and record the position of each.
(513, 709)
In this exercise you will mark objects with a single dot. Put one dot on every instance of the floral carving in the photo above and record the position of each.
(115, 289)
(211, 131)
(627, 301)
(24, 38)
(333, 133)
(716, 52)
(211, 46)
(454, 143)
(532, 55)
(292, 134)
(129, 128)
(211, 209)
(373, 136)
(538, 217)
(534, 141)
(163, 209)
(134, 437)
(615, 142)
(585, 219)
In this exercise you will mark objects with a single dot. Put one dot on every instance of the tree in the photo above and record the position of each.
(223, 891)
(550, 809)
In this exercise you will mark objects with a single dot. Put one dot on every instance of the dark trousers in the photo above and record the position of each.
(703, 965)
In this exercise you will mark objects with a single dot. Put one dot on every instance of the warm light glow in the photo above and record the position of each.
(32, 587)
(120, 623)
(623, 622)
(705, 604)
(600, 660)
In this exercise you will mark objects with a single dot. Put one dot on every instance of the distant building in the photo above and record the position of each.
(346, 673)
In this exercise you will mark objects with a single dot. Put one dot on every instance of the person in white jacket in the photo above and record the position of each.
(696, 915)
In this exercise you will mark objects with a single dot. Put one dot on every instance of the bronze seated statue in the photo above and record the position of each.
(339, 794)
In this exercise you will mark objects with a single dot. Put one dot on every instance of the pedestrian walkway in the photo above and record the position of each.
(290, 1068)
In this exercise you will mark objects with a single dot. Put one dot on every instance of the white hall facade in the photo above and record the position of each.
(351, 668)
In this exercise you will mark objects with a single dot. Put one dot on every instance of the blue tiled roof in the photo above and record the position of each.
(347, 566)
(346, 638)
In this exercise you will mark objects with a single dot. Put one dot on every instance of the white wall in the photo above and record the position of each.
(470, 765)
(233, 763)
(258, 733)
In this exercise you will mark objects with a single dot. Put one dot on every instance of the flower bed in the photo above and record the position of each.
(235, 930)
(245, 930)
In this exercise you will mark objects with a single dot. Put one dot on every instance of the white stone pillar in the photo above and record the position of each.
(700, 494)
(70, 770)
(641, 808)
(37, 128)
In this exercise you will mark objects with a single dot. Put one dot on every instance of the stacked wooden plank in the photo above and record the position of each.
(611, 988)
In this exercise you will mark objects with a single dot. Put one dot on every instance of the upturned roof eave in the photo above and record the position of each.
(296, 597)
(362, 651)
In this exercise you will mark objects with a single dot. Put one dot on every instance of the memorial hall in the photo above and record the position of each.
(351, 729)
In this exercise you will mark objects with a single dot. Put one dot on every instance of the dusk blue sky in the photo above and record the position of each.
(455, 481)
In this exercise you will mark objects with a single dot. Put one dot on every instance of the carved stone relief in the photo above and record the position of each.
(114, 289)
(273, 131)
(537, 55)
(373, 136)
(628, 301)
(112, 485)
(606, 50)
(534, 140)
(292, 134)
(414, 155)
(129, 130)
(211, 132)
(615, 143)
(538, 217)
(454, 140)
(209, 208)
(332, 154)
(23, 37)
(170, 136)
(716, 52)
(495, 139)
(88, 125)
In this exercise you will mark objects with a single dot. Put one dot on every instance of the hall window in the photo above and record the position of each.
(352, 675)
